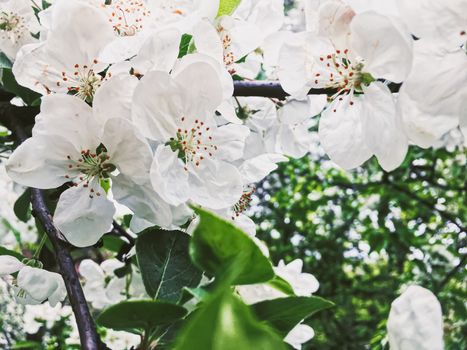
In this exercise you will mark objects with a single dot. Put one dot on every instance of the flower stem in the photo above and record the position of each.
(41, 244)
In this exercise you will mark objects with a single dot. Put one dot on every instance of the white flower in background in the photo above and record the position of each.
(439, 56)
(193, 160)
(71, 145)
(102, 287)
(36, 316)
(415, 321)
(303, 284)
(17, 24)
(362, 119)
(67, 61)
(118, 340)
(33, 285)
(300, 334)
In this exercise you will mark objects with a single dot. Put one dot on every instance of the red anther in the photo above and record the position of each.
(329, 57)
(95, 61)
(351, 103)
(334, 110)
(338, 51)
(76, 65)
(321, 59)
(70, 166)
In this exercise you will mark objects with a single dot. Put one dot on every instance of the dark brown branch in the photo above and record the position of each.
(273, 89)
(87, 330)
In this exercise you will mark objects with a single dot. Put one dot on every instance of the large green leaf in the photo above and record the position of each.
(227, 7)
(222, 249)
(31, 98)
(226, 323)
(140, 315)
(165, 263)
(285, 313)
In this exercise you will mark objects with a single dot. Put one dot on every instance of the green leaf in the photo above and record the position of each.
(285, 313)
(165, 263)
(10, 84)
(4, 61)
(4, 251)
(281, 284)
(227, 7)
(184, 45)
(226, 323)
(22, 207)
(222, 249)
(140, 315)
(113, 243)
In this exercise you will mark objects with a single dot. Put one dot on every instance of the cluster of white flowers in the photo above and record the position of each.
(138, 108)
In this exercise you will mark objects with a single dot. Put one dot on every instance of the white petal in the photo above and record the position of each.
(169, 177)
(127, 148)
(84, 220)
(159, 52)
(298, 335)
(340, 133)
(142, 200)
(387, 50)
(41, 162)
(113, 98)
(207, 40)
(227, 110)
(91, 271)
(334, 22)
(231, 141)
(215, 184)
(382, 127)
(9, 264)
(257, 168)
(157, 102)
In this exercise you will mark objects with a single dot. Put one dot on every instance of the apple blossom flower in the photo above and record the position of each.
(415, 321)
(33, 285)
(67, 61)
(17, 26)
(193, 159)
(349, 54)
(74, 143)
(300, 334)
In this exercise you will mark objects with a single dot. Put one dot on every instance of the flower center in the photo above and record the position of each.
(194, 143)
(90, 166)
(12, 23)
(337, 71)
(81, 81)
(127, 17)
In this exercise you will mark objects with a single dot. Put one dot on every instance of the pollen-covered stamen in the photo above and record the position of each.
(229, 57)
(193, 142)
(81, 80)
(127, 17)
(90, 166)
(338, 72)
(12, 26)
(244, 202)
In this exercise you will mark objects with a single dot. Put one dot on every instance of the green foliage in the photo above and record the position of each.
(221, 249)
(186, 45)
(22, 206)
(226, 323)
(140, 315)
(227, 7)
(10, 84)
(165, 263)
(4, 61)
(285, 313)
(366, 234)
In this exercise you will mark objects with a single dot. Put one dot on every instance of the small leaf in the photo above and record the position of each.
(227, 7)
(225, 323)
(4, 61)
(220, 248)
(140, 315)
(4, 251)
(285, 313)
(281, 284)
(22, 206)
(10, 84)
(165, 263)
(184, 45)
